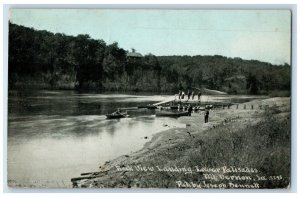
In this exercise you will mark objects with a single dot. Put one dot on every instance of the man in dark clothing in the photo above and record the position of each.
(199, 96)
(190, 95)
(179, 94)
(206, 116)
(190, 109)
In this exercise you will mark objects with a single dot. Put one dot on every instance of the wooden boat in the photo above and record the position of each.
(142, 106)
(116, 115)
(151, 107)
(174, 107)
(172, 114)
(180, 107)
(147, 106)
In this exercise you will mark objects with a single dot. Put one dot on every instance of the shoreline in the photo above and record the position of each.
(180, 147)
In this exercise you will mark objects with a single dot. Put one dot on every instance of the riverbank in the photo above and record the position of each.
(257, 139)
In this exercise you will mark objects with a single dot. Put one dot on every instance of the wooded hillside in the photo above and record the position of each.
(41, 59)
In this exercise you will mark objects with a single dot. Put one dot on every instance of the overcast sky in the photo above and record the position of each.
(261, 35)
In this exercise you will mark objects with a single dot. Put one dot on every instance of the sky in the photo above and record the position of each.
(263, 35)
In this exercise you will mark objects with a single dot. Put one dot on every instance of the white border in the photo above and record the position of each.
(213, 4)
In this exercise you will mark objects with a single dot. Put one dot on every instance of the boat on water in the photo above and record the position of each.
(142, 106)
(116, 115)
(172, 113)
(151, 107)
(147, 106)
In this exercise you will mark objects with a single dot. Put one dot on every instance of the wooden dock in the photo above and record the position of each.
(164, 102)
(197, 102)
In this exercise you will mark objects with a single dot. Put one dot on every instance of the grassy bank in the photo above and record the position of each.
(236, 139)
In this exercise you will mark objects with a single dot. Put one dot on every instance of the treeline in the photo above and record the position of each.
(40, 59)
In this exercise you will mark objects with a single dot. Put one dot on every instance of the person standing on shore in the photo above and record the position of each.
(206, 116)
(190, 109)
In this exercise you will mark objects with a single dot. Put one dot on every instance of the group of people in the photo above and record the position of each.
(189, 94)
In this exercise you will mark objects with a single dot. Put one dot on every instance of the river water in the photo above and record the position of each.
(54, 136)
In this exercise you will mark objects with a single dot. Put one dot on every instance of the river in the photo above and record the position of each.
(56, 135)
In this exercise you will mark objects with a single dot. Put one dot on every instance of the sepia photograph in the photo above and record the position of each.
(149, 98)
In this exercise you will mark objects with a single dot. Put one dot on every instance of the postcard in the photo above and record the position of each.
(149, 98)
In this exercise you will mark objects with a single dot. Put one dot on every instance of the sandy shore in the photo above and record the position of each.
(233, 137)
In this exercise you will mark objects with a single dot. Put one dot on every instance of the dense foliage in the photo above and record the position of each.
(40, 59)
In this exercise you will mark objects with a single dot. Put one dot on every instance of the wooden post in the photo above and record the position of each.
(252, 107)
(244, 106)
(237, 106)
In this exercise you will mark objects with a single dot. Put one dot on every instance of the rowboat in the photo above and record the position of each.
(116, 115)
(172, 114)
(151, 107)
